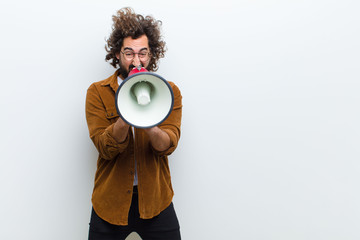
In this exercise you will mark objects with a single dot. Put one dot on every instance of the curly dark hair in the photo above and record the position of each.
(126, 23)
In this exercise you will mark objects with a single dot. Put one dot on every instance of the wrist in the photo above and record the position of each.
(120, 130)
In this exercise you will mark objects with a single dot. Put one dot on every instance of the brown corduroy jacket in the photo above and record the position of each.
(112, 193)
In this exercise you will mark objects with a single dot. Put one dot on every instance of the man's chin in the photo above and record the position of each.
(124, 73)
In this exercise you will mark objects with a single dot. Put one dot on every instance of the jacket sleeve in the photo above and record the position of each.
(172, 124)
(100, 127)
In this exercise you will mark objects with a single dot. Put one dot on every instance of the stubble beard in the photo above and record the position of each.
(123, 71)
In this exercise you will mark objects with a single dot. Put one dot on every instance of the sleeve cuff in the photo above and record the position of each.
(112, 141)
(173, 143)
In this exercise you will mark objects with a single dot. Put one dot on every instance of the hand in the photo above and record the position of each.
(159, 139)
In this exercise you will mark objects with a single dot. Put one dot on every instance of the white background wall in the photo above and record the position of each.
(270, 135)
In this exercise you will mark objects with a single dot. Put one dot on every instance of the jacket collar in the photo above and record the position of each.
(112, 81)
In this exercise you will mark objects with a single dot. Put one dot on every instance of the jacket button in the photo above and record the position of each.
(128, 191)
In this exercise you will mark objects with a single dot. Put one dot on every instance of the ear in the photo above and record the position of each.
(117, 55)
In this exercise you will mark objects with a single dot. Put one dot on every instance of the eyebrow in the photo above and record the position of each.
(128, 48)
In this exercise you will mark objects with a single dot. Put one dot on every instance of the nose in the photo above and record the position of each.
(136, 61)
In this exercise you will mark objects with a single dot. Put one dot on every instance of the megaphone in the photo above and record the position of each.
(144, 99)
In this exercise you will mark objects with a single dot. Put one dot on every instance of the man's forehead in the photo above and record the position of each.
(136, 44)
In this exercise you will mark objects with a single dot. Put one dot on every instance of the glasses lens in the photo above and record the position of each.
(143, 54)
(129, 55)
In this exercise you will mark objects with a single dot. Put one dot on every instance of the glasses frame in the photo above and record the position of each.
(146, 57)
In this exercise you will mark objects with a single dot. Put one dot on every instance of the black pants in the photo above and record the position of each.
(164, 226)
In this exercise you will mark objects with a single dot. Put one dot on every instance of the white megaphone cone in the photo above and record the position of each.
(144, 99)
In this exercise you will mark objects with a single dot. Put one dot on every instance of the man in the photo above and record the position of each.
(132, 190)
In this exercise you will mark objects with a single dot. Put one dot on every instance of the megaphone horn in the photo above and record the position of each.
(144, 99)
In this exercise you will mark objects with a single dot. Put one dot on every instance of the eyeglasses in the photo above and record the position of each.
(130, 55)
